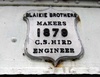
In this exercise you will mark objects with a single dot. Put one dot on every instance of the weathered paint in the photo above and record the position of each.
(12, 60)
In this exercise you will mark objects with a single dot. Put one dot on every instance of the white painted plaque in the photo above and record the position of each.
(52, 34)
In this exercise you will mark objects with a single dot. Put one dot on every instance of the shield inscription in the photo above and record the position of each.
(52, 35)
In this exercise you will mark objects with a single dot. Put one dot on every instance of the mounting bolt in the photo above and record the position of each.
(34, 0)
(14, 40)
(98, 2)
(55, 1)
(11, 0)
(77, 1)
